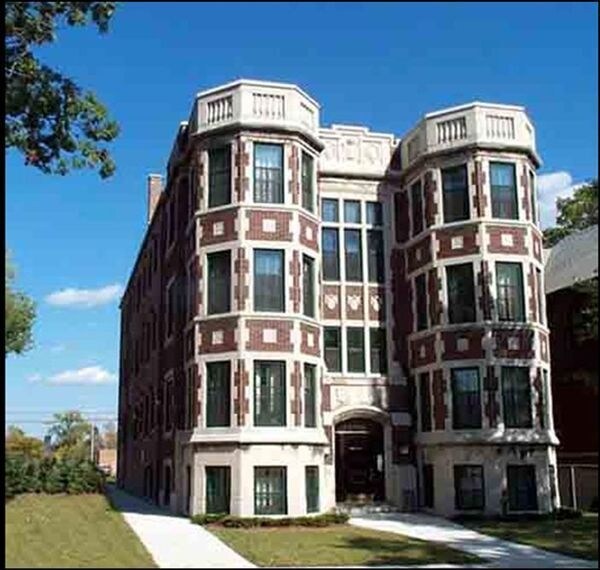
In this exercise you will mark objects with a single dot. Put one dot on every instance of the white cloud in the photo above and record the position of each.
(87, 375)
(550, 187)
(58, 348)
(85, 298)
(34, 377)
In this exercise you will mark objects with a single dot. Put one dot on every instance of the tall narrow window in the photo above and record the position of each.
(533, 197)
(333, 348)
(218, 485)
(461, 293)
(270, 491)
(425, 397)
(421, 300)
(310, 395)
(456, 194)
(219, 282)
(352, 211)
(269, 393)
(374, 214)
(504, 191)
(416, 197)
(466, 398)
(268, 280)
(375, 256)
(468, 487)
(539, 293)
(218, 394)
(522, 488)
(219, 176)
(329, 210)
(542, 399)
(546, 410)
(307, 181)
(308, 287)
(355, 339)
(511, 304)
(331, 257)
(268, 173)
(353, 255)
(378, 351)
(312, 488)
(516, 397)
(428, 498)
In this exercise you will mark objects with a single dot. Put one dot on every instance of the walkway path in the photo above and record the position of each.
(173, 541)
(499, 553)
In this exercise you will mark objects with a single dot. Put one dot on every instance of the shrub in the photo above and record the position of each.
(207, 519)
(564, 513)
(230, 521)
(594, 505)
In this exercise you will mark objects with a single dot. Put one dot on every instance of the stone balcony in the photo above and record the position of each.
(484, 124)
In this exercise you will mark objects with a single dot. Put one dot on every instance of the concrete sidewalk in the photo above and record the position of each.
(498, 553)
(173, 541)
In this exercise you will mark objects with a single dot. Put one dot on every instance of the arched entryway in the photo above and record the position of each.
(359, 461)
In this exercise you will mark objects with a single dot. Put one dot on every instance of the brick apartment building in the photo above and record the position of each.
(323, 315)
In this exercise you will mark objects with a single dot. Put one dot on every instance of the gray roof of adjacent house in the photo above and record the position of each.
(573, 259)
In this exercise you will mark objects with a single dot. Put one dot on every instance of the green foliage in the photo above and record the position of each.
(71, 436)
(585, 320)
(19, 314)
(54, 123)
(17, 443)
(229, 521)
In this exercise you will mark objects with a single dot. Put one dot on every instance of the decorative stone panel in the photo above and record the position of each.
(457, 242)
(455, 347)
(311, 341)
(505, 239)
(513, 343)
(269, 225)
(354, 302)
(331, 302)
(419, 254)
(434, 285)
(309, 233)
(220, 330)
(218, 227)
(423, 351)
(269, 335)
(377, 303)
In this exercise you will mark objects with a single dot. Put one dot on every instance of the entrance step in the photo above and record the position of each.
(360, 509)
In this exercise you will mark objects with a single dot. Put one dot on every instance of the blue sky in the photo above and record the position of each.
(378, 64)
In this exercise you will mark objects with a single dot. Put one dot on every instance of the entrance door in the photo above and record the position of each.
(359, 464)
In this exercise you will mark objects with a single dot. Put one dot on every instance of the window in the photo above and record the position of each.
(270, 491)
(533, 198)
(219, 282)
(504, 191)
(353, 255)
(425, 402)
(268, 173)
(468, 487)
(218, 394)
(461, 293)
(516, 396)
(421, 300)
(511, 304)
(310, 395)
(355, 337)
(352, 211)
(540, 295)
(331, 258)
(311, 479)
(428, 486)
(269, 393)
(374, 214)
(171, 308)
(218, 485)
(522, 490)
(378, 351)
(456, 194)
(544, 403)
(219, 176)
(330, 210)
(333, 348)
(416, 207)
(308, 288)
(375, 256)
(268, 280)
(466, 398)
(307, 181)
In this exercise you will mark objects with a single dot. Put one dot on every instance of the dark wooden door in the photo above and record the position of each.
(359, 461)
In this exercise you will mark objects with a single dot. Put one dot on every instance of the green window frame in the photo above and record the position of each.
(504, 191)
(522, 488)
(469, 490)
(270, 490)
(455, 189)
(268, 173)
(308, 286)
(333, 348)
(466, 398)
(310, 395)
(378, 349)
(219, 282)
(311, 479)
(516, 397)
(510, 297)
(355, 343)
(307, 181)
(218, 489)
(219, 176)
(218, 394)
(269, 393)
(461, 293)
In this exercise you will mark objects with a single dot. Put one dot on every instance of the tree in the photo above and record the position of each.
(71, 436)
(49, 119)
(109, 436)
(17, 443)
(19, 314)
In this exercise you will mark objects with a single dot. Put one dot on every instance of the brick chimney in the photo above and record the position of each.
(155, 186)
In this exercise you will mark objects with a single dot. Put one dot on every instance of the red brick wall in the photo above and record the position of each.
(502, 349)
(241, 383)
(429, 189)
(428, 343)
(439, 407)
(536, 240)
(525, 191)
(335, 312)
(478, 180)
(484, 280)
(294, 183)
(256, 327)
(401, 216)
(433, 290)
(424, 246)
(474, 338)
(532, 294)
(315, 349)
(295, 271)
(208, 221)
(544, 346)
(282, 222)
(241, 269)
(495, 239)
(354, 291)
(444, 237)
(206, 329)
(377, 298)
(401, 307)
(296, 401)
(326, 397)
(490, 385)
(242, 167)
(309, 231)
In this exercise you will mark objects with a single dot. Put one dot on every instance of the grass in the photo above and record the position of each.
(340, 545)
(573, 537)
(69, 531)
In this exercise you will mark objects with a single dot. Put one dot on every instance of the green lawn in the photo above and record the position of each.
(339, 545)
(573, 537)
(69, 531)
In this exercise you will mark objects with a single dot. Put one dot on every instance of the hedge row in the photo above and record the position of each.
(562, 513)
(229, 521)
(48, 475)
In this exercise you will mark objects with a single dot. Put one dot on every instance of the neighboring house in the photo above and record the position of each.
(324, 315)
(107, 461)
(574, 367)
